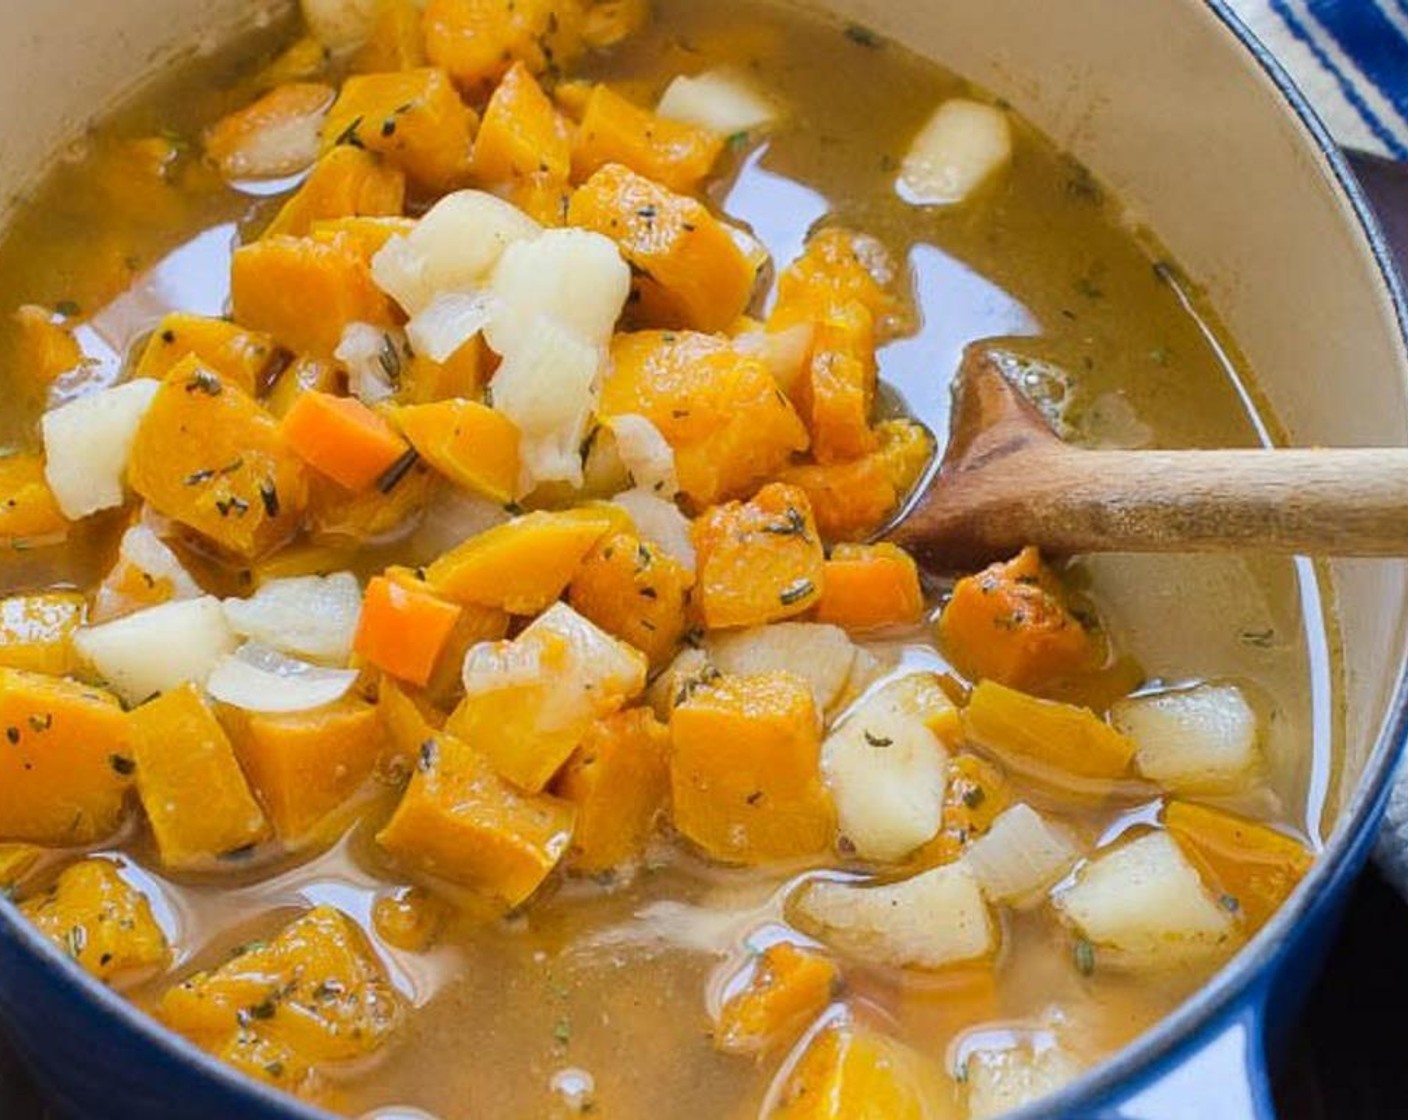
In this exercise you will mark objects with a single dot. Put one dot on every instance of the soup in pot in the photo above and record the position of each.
(445, 663)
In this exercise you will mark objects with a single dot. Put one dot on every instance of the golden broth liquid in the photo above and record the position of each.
(615, 986)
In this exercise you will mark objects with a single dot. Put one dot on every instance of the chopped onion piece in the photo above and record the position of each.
(374, 358)
(963, 144)
(87, 442)
(722, 101)
(453, 516)
(1021, 856)
(158, 649)
(256, 678)
(647, 456)
(307, 616)
(548, 387)
(659, 522)
(454, 248)
(573, 277)
(1196, 740)
(451, 320)
(821, 655)
(340, 25)
(144, 555)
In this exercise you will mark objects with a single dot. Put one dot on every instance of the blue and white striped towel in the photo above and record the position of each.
(1351, 59)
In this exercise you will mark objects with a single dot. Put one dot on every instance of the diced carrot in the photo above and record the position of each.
(1011, 624)
(275, 136)
(237, 355)
(342, 438)
(29, 513)
(613, 130)
(692, 272)
(1253, 865)
(870, 586)
(346, 183)
(759, 561)
(403, 631)
(414, 118)
(469, 443)
(1052, 739)
(395, 41)
(305, 292)
(521, 133)
(787, 989)
(45, 348)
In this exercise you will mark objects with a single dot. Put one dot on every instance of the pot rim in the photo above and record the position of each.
(1155, 1048)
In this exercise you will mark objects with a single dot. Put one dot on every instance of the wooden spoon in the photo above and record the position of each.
(1007, 481)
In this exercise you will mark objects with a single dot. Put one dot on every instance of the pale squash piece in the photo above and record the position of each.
(619, 779)
(36, 631)
(235, 354)
(788, 987)
(459, 821)
(745, 772)
(1044, 736)
(306, 765)
(64, 766)
(279, 1010)
(196, 797)
(101, 921)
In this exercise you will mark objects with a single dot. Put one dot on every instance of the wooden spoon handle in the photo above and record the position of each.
(1068, 500)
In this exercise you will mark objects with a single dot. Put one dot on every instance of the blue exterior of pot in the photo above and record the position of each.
(97, 1057)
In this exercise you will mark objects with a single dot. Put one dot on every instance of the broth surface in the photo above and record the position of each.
(615, 985)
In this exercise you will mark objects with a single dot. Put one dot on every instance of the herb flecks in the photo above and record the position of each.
(878, 741)
(122, 765)
(797, 592)
(862, 36)
(1085, 957)
(203, 381)
(398, 471)
(793, 524)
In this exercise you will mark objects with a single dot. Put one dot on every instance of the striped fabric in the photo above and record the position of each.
(1351, 59)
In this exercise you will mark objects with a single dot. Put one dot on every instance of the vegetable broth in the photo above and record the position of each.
(616, 983)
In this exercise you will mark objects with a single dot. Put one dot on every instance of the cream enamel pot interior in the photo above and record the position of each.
(1171, 105)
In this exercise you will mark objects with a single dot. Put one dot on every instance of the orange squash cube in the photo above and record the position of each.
(340, 518)
(195, 795)
(522, 133)
(207, 455)
(691, 273)
(64, 765)
(29, 513)
(395, 41)
(36, 631)
(347, 182)
(368, 235)
(306, 765)
(787, 989)
(459, 821)
(619, 779)
(1044, 736)
(478, 41)
(543, 197)
(838, 268)
(237, 355)
(45, 349)
(719, 410)
(871, 586)
(677, 156)
(469, 443)
(635, 592)
(461, 376)
(759, 561)
(745, 770)
(414, 118)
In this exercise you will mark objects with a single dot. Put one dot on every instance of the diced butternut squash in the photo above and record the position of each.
(543, 197)
(279, 1010)
(36, 631)
(343, 439)
(239, 356)
(478, 41)
(275, 136)
(636, 592)
(1254, 866)
(745, 772)
(404, 631)
(45, 349)
(619, 779)
(690, 272)
(395, 42)
(368, 235)
(759, 561)
(978, 792)
(410, 920)
(869, 587)
(836, 392)
(719, 410)
(414, 118)
(306, 765)
(531, 702)
(64, 765)
(305, 292)
(1046, 737)
(787, 989)
(196, 797)
(425, 381)
(208, 456)
(29, 513)
(522, 133)
(678, 156)
(469, 443)
(1011, 624)
(524, 566)
(101, 921)
(852, 1072)
(340, 517)
(837, 268)
(348, 182)
(459, 821)
(854, 500)
(303, 375)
